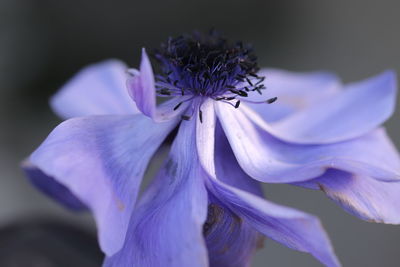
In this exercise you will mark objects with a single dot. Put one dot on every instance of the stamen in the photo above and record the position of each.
(248, 80)
(260, 81)
(268, 101)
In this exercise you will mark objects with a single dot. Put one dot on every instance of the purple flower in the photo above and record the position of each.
(205, 206)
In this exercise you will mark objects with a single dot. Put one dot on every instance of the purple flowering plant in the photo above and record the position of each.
(205, 207)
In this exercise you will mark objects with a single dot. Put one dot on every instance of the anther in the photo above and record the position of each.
(178, 105)
(242, 93)
(237, 104)
(165, 92)
(234, 91)
(200, 116)
(271, 100)
(185, 117)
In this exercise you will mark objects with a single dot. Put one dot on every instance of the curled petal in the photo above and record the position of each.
(99, 89)
(358, 109)
(141, 87)
(142, 90)
(361, 195)
(52, 188)
(101, 160)
(228, 170)
(230, 240)
(293, 228)
(295, 91)
(205, 135)
(268, 159)
(167, 227)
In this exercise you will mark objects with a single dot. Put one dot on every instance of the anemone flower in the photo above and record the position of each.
(205, 206)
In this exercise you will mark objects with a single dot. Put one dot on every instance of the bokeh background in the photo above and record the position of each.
(44, 42)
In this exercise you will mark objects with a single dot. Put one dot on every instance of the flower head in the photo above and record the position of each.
(205, 206)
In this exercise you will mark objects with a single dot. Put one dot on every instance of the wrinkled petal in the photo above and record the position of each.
(101, 159)
(268, 159)
(52, 188)
(99, 89)
(293, 228)
(295, 91)
(358, 109)
(360, 195)
(167, 227)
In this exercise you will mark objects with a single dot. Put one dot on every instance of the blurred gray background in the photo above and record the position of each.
(43, 43)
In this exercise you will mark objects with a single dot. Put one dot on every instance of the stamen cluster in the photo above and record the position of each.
(207, 65)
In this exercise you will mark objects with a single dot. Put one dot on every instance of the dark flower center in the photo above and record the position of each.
(207, 65)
